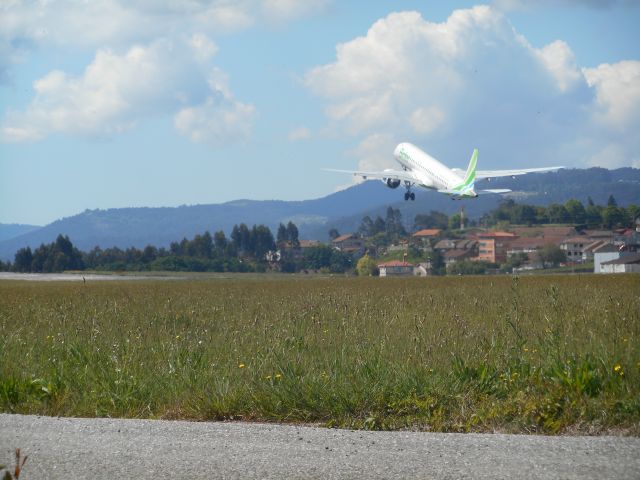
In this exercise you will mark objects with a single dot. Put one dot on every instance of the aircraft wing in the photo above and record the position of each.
(402, 175)
(480, 174)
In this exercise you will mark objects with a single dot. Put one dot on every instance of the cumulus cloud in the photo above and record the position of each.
(116, 91)
(531, 4)
(617, 89)
(118, 22)
(299, 133)
(26, 25)
(473, 80)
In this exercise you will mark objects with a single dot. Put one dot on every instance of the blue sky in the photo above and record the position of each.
(134, 103)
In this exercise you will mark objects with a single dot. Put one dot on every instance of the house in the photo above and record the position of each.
(552, 235)
(455, 255)
(424, 238)
(305, 245)
(423, 269)
(601, 246)
(526, 245)
(629, 263)
(573, 247)
(445, 244)
(605, 256)
(599, 234)
(348, 243)
(396, 268)
(493, 246)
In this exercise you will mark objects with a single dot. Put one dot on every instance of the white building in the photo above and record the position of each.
(629, 263)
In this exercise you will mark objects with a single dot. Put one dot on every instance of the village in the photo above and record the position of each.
(517, 249)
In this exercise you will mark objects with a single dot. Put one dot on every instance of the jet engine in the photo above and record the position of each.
(392, 182)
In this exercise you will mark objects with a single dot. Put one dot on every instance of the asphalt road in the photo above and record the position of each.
(69, 448)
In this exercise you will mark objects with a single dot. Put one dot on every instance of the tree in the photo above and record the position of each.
(633, 213)
(393, 223)
(149, 254)
(557, 213)
(613, 216)
(515, 260)
(552, 255)
(367, 267)
(454, 221)
(523, 214)
(593, 215)
(334, 233)
(611, 202)
(23, 260)
(262, 241)
(437, 262)
(468, 267)
(281, 236)
(432, 220)
(366, 227)
(220, 242)
(379, 225)
(292, 234)
(576, 211)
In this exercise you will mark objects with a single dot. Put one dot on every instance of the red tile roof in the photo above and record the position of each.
(427, 232)
(342, 238)
(395, 263)
(497, 234)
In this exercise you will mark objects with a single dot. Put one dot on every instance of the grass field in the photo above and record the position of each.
(550, 354)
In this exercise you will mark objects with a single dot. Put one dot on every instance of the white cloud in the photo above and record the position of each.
(116, 91)
(374, 153)
(472, 80)
(617, 89)
(218, 122)
(97, 23)
(288, 10)
(426, 120)
(613, 156)
(506, 5)
(560, 62)
(299, 133)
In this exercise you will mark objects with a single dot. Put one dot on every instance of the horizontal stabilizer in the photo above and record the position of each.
(494, 191)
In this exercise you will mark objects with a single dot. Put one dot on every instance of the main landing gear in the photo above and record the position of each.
(409, 195)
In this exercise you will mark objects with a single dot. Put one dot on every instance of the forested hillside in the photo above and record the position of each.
(138, 227)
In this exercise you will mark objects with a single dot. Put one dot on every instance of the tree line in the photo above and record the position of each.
(244, 251)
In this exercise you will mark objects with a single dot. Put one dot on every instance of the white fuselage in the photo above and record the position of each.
(429, 171)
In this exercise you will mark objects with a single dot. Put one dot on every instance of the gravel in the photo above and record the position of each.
(70, 448)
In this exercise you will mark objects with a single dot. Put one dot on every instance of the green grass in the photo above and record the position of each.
(534, 354)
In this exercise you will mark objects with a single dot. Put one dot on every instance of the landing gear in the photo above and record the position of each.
(409, 196)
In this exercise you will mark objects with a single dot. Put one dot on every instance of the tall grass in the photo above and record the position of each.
(535, 354)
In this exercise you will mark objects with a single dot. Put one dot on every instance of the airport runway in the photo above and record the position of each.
(79, 277)
(105, 448)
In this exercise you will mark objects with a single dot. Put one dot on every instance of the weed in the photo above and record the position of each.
(529, 354)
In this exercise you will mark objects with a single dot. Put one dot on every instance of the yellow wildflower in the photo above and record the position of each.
(278, 375)
(242, 365)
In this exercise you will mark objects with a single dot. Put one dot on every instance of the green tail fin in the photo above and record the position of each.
(470, 177)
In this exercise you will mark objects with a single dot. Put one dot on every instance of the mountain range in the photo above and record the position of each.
(344, 210)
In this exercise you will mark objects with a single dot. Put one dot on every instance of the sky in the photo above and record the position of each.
(133, 103)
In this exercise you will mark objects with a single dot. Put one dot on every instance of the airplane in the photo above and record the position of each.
(421, 169)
